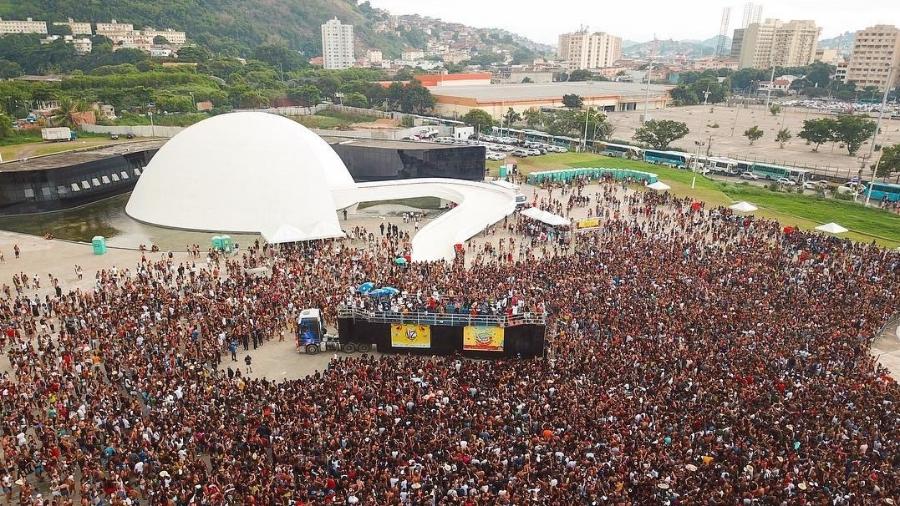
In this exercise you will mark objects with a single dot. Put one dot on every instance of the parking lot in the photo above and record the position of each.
(501, 147)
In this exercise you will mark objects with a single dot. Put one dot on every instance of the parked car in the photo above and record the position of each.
(786, 181)
(749, 175)
(521, 152)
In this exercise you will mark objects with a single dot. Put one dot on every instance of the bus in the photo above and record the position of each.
(722, 165)
(882, 191)
(620, 150)
(670, 158)
(775, 172)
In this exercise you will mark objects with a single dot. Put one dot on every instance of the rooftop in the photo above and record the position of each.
(533, 91)
(66, 159)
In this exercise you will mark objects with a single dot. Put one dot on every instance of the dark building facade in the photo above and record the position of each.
(385, 161)
(67, 180)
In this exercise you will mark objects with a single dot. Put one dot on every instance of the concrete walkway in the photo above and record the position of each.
(886, 347)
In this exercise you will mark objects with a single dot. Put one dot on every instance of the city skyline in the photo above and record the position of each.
(698, 21)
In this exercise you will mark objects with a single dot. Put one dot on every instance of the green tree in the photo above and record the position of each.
(853, 131)
(527, 80)
(775, 109)
(159, 40)
(572, 101)
(478, 118)
(279, 57)
(10, 69)
(534, 117)
(580, 75)
(818, 131)
(68, 112)
(564, 122)
(658, 134)
(889, 162)
(354, 99)
(511, 117)
(754, 134)
(783, 136)
(193, 54)
(61, 30)
(6, 129)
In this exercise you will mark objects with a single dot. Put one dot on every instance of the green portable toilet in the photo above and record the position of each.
(503, 171)
(227, 245)
(99, 244)
(217, 243)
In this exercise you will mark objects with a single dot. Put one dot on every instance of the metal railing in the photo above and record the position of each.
(449, 319)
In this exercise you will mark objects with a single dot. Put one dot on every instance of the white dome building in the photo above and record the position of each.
(244, 173)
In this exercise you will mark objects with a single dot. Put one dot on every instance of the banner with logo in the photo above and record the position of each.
(483, 338)
(408, 335)
(588, 223)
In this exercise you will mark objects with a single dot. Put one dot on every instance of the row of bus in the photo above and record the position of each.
(730, 167)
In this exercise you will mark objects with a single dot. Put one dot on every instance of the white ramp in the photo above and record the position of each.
(478, 206)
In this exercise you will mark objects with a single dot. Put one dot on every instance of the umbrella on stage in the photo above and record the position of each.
(831, 228)
(743, 207)
(659, 186)
(390, 290)
(378, 293)
(400, 261)
(365, 287)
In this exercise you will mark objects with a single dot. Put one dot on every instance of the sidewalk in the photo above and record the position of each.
(886, 348)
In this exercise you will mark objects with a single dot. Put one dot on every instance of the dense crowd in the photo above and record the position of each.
(694, 357)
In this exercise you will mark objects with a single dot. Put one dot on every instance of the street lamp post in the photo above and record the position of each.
(647, 93)
(887, 91)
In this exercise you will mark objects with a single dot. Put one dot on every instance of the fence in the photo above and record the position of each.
(136, 130)
(448, 319)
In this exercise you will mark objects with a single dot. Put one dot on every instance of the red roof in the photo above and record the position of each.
(436, 79)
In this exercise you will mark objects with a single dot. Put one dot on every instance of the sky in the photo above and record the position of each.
(640, 20)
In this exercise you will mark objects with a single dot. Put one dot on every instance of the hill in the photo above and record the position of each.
(843, 42)
(665, 48)
(235, 27)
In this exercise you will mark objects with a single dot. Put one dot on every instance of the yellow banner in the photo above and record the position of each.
(483, 338)
(409, 335)
(588, 223)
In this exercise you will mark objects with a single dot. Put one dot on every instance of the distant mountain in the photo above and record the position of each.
(844, 42)
(235, 27)
(669, 48)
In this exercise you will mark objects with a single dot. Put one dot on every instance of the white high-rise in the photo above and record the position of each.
(583, 50)
(337, 45)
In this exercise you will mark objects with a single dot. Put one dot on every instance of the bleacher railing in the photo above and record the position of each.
(449, 319)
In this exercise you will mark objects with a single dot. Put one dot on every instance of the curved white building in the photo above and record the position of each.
(243, 172)
(261, 173)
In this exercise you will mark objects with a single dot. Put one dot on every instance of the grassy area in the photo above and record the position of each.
(332, 120)
(31, 146)
(804, 211)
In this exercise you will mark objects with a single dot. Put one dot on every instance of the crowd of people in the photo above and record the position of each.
(693, 357)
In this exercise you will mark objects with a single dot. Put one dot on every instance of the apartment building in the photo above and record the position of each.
(876, 50)
(174, 37)
(337, 45)
(115, 29)
(77, 27)
(775, 42)
(583, 50)
(18, 26)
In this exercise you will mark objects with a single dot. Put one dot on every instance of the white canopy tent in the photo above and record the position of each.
(551, 219)
(743, 207)
(659, 186)
(831, 228)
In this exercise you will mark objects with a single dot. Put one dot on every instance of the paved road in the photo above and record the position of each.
(886, 348)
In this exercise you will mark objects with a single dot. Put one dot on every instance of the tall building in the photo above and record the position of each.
(337, 45)
(114, 29)
(774, 42)
(583, 50)
(876, 50)
(18, 26)
(752, 14)
(737, 43)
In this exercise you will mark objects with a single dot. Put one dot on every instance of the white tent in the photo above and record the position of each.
(831, 228)
(551, 219)
(743, 207)
(659, 186)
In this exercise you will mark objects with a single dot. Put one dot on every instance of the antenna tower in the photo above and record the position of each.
(723, 32)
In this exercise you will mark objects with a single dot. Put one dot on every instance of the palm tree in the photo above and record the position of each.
(68, 114)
